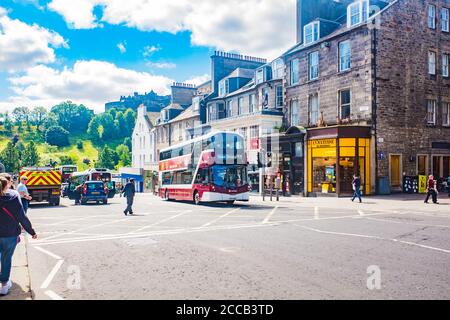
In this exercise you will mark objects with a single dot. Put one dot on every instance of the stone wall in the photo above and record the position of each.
(404, 85)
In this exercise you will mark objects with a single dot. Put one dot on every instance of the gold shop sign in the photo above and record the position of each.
(323, 143)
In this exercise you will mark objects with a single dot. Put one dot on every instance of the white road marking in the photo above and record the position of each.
(156, 233)
(48, 253)
(361, 213)
(86, 228)
(410, 223)
(316, 213)
(53, 295)
(52, 274)
(271, 213)
(161, 221)
(374, 237)
(219, 218)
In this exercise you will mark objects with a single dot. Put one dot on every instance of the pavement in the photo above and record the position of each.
(20, 277)
(388, 247)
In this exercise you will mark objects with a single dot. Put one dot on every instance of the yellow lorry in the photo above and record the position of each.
(44, 184)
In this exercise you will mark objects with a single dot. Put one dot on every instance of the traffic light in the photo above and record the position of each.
(269, 160)
(260, 164)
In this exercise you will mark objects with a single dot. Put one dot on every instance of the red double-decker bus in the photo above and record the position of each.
(211, 168)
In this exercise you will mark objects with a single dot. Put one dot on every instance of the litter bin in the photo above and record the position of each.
(383, 186)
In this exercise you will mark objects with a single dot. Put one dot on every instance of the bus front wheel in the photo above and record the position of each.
(196, 198)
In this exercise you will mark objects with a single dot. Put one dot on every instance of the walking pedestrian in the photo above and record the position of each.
(129, 191)
(24, 194)
(432, 190)
(356, 188)
(12, 217)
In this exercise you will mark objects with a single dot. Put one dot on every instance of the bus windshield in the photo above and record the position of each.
(229, 176)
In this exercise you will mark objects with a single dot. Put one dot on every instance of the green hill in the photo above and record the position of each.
(47, 152)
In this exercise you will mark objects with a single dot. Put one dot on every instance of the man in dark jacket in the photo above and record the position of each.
(129, 191)
(12, 216)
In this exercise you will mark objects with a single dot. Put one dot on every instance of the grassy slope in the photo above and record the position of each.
(89, 151)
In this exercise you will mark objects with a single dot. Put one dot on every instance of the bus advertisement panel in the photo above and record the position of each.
(211, 168)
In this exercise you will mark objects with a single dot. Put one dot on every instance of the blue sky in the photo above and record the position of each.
(95, 50)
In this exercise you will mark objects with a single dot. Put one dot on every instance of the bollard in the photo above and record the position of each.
(271, 194)
(278, 194)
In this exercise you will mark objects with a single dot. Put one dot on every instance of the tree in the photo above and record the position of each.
(21, 114)
(50, 120)
(101, 127)
(72, 117)
(80, 145)
(130, 121)
(10, 158)
(8, 125)
(128, 143)
(67, 160)
(20, 147)
(124, 155)
(38, 116)
(31, 155)
(107, 158)
(57, 136)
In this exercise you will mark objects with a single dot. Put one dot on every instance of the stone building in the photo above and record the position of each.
(372, 91)
(247, 100)
(152, 101)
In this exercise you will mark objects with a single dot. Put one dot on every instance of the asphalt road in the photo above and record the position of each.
(298, 249)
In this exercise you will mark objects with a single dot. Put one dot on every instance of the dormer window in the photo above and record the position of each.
(196, 104)
(357, 12)
(259, 76)
(263, 74)
(224, 87)
(311, 32)
(278, 69)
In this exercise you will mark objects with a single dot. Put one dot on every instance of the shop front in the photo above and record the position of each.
(287, 158)
(335, 154)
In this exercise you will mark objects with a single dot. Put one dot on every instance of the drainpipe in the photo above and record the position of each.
(374, 102)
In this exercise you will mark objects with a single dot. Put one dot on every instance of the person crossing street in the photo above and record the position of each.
(129, 191)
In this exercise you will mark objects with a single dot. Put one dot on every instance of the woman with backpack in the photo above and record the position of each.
(12, 217)
(432, 190)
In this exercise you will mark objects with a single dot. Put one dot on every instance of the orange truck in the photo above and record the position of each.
(44, 184)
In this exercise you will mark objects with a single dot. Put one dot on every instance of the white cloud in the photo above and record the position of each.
(92, 83)
(255, 27)
(122, 47)
(23, 45)
(150, 50)
(78, 14)
(198, 80)
(161, 65)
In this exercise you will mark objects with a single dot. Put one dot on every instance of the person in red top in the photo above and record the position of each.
(432, 190)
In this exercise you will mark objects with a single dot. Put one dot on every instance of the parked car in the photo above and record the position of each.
(92, 191)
